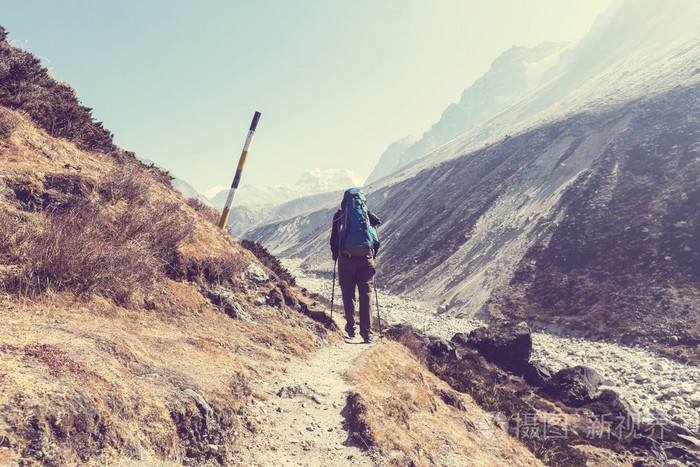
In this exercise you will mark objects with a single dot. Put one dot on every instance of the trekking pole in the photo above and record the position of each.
(239, 170)
(333, 292)
(376, 297)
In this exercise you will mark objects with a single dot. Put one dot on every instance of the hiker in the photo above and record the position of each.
(354, 245)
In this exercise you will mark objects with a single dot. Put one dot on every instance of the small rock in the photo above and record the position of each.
(664, 384)
(224, 297)
(441, 348)
(205, 408)
(255, 273)
(537, 374)
(640, 378)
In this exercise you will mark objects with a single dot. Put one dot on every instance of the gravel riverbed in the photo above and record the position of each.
(653, 385)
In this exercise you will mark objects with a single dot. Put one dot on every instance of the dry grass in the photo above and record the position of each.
(207, 212)
(95, 224)
(126, 370)
(55, 107)
(413, 418)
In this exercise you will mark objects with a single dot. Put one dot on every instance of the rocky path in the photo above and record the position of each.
(300, 413)
(653, 385)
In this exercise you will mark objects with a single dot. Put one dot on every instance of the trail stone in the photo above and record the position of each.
(202, 405)
(509, 345)
(255, 273)
(224, 297)
(574, 386)
(537, 374)
(297, 390)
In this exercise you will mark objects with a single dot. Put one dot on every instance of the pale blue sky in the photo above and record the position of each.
(337, 81)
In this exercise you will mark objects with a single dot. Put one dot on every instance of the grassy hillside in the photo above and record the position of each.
(131, 325)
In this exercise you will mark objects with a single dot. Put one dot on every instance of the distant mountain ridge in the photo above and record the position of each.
(310, 183)
(253, 205)
(515, 72)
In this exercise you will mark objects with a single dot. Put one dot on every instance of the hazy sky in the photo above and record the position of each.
(337, 81)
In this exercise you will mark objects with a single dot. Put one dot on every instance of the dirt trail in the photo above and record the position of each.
(303, 422)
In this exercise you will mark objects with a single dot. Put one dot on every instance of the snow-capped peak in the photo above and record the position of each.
(213, 191)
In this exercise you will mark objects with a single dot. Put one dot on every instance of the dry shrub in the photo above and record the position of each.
(28, 87)
(269, 260)
(128, 183)
(221, 271)
(115, 245)
(55, 358)
(73, 251)
(8, 122)
(208, 212)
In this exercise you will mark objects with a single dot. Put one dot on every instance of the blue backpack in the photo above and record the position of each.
(356, 236)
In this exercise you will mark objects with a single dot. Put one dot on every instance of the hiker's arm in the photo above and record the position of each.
(373, 220)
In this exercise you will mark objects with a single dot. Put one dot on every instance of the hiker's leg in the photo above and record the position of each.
(365, 275)
(347, 289)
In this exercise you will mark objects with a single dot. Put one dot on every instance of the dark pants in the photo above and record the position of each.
(357, 271)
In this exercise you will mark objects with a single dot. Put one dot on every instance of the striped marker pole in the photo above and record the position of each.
(239, 170)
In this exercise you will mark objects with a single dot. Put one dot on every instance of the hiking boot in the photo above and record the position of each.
(368, 339)
(350, 330)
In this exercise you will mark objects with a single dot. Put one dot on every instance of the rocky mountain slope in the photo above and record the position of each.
(552, 79)
(583, 215)
(513, 74)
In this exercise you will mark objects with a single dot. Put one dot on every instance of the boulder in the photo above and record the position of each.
(508, 345)
(652, 446)
(537, 374)
(400, 332)
(441, 348)
(460, 339)
(574, 386)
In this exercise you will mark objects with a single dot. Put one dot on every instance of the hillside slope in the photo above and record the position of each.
(131, 325)
(606, 204)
